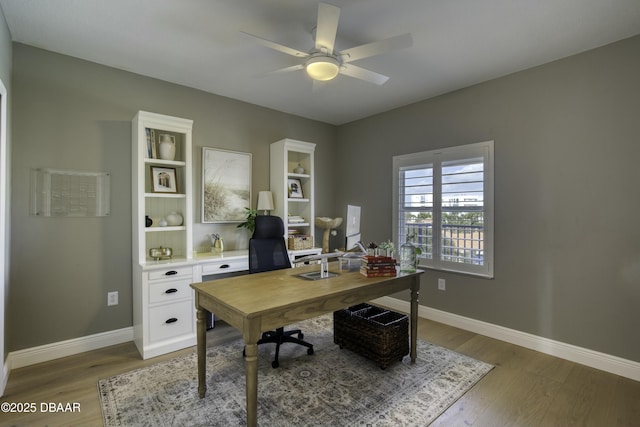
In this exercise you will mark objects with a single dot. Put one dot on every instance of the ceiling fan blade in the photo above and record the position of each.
(327, 28)
(284, 70)
(363, 74)
(376, 48)
(276, 46)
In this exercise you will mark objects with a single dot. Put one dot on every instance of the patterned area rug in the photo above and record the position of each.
(333, 387)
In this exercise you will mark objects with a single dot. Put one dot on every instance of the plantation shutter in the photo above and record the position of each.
(444, 199)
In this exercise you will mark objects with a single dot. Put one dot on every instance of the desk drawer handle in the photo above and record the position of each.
(225, 266)
(171, 291)
(170, 273)
(172, 320)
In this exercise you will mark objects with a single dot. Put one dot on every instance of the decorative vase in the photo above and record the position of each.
(299, 169)
(162, 222)
(218, 245)
(148, 221)
(408, 256)
(174, 219)
(167, 147)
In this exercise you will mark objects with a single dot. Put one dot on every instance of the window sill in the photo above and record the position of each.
(464, 273)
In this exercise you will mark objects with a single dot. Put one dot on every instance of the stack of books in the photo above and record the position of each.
(152, 150)
(378, 266)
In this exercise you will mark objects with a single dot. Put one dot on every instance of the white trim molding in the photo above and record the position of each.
(5, 377)
(47, 352)
(5, 237)
(605, 362)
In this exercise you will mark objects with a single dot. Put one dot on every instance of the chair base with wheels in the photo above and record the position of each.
(279, 336)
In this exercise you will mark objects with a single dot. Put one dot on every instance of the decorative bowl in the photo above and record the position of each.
(160, 253)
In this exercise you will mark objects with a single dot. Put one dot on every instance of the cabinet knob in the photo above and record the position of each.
(171, 291)
(170, 273)
(225, 266)
(172, 320)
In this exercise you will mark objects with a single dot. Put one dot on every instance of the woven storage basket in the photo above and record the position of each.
(373, 332)
(300, 242)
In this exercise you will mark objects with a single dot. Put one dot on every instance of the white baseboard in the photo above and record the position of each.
(605, 362)
(44, 353)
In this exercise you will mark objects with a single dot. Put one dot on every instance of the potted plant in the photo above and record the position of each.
(250, 223)
(387, 247)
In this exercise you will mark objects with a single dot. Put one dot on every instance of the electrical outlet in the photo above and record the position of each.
(442, 286)
(112, 298)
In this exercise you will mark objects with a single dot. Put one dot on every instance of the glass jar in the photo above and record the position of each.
(408, 256)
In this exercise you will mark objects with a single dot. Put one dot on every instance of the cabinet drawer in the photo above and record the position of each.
(169, 291)
(170, 273)
(229, 266)
(171, 320)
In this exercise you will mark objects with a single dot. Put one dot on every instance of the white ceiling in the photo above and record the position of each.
(197, 43)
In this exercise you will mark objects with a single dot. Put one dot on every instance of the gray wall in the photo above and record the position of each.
(73, 114)
(567, 258)
(566, 145)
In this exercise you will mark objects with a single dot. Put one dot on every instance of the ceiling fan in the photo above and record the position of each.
(323, 63)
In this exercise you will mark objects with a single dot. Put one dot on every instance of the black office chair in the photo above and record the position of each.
(267, 252)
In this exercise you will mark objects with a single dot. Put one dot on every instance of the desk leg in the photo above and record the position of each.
(251, 335)
(251, 372)
(201, 334)
(415, 290)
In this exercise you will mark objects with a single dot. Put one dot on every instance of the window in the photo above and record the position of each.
(444, 199)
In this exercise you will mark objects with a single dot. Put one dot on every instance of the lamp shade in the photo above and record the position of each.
(265, 201)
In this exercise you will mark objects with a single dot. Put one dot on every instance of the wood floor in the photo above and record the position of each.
(526, 388)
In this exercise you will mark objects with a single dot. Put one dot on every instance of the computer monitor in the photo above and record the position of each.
(352, 226)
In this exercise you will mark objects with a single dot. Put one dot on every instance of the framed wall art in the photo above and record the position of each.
(163, 180)
(295, 188)
(226, 185)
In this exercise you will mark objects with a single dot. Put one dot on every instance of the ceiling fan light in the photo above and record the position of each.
(322, 68)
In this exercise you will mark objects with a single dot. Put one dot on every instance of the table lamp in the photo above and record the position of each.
(265, 201)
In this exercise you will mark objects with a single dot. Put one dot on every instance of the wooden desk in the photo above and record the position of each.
(265, 301)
